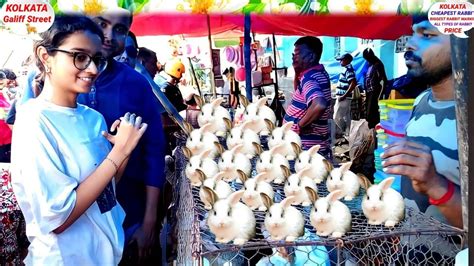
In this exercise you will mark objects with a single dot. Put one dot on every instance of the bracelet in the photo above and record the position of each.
(447, 196)
(114, 163)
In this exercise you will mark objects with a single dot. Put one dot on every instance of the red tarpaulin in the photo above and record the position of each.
(190, 25)
(386, 27)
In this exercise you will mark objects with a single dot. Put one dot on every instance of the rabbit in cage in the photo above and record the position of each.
(275, 163)
(199, 165)
(243, 135)
(291, 140)
(229, 219)
(253, 187)
(233, 161)
(329, 216)
(202, 139)
(345, 180)
(383, 204)
(259, 114)
(215, 114)
(282, 220)
(220, 187)
(295, 186)
(320, 166)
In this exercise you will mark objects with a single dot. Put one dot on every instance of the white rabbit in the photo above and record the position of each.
(345, 180)
(202, 139)
(243, 135)
(199, 165)
(230, 219)
(258, 113)
(295, 186)
(222, 189)
(214, 114)
(329, 216)
(383, 204)
(285, 135)
(274, 163)
(282, 220)
(320, 166)
(232, 161)
(252, 189)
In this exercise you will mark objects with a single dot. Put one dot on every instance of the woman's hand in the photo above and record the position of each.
(129, 131)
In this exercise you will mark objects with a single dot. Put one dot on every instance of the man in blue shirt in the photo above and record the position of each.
(121, 89)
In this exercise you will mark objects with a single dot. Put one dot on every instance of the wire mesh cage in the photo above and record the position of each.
(417, 240)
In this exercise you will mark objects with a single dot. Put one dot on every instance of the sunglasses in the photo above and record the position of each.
(83, 60)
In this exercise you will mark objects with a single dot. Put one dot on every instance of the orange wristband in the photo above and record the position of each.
(446, 197)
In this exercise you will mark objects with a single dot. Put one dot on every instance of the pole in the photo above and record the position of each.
(211, 73)
(459, 48)
(254, 38)
(194, 76)
(247, 52)
(276, 65)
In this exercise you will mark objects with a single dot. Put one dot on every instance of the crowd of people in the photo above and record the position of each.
(88, 142)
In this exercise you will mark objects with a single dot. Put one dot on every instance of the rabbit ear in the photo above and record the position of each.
(237, 149)
(220, 148)
(345, 167)
(285, 170)
(267, 201)
(218, 177)
(335, 195)
(313, 150)
(287, 202)
(305, 171)
(205, 153)
(210, 194)
(328, 165)
(199, 101)
(261, 177)
(188, 128)
(269, 124)
(242, 176)
(287, 126)
(186, 152)
(217, 102)
(201, 174)
(244, 101)
(365, 182)
(228, 123)
(261, 102)
(258, 148)
(296, 148)
(235, 197)
(245, 125)
(206, 128)
(312, 195)
(278, 149)
(386, 183)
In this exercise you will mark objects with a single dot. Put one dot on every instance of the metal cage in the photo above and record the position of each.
(417, 240)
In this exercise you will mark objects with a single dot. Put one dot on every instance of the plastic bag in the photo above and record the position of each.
(361, 145)
(342, 116)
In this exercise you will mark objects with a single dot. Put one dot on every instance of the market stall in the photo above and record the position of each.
(199, 25)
